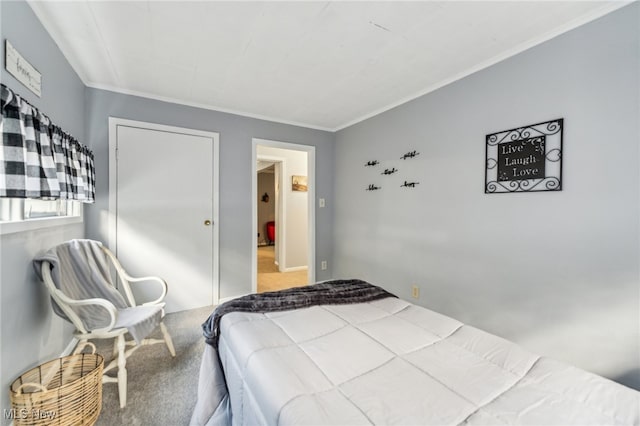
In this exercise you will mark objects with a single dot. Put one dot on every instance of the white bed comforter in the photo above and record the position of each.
(392, 362)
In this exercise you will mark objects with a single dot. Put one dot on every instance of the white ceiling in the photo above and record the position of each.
(323, 65)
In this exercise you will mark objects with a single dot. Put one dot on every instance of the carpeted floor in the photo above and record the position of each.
(270, 279)
(161, 390)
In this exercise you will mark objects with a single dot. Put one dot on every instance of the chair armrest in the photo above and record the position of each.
(110, 308)
(126, 279)
(163, 285)
(65, 303)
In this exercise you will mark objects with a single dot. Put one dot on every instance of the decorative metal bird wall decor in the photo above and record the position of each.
(389, 171)
(373, 187)
(410, 154)
(372, 163)
(409, 184)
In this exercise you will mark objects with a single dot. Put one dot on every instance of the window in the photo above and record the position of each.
(19, 214)
(17, 209)
(41, 208)
(45, 172)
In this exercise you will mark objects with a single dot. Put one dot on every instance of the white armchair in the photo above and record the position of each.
(78, 276)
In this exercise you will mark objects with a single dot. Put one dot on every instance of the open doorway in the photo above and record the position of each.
(283, 215)
(271, 276)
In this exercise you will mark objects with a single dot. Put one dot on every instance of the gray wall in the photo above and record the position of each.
(30, 334)
(557, 272)
(236, 133)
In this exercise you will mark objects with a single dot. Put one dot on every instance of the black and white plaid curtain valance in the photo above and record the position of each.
(38, 159)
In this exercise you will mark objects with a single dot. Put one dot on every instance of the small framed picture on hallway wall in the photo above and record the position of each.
(299, 183)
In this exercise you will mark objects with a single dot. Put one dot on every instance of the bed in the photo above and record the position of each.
(387, 361)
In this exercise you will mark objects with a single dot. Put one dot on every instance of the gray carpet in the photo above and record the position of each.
(161, 390)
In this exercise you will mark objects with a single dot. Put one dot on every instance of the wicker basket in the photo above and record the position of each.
(65, 391)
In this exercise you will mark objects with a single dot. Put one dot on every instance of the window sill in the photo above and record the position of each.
(40, 223)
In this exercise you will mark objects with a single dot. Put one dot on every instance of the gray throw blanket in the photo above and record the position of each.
(80, 269)
(336, 292)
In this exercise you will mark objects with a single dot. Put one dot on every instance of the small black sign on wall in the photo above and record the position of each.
(525, 159)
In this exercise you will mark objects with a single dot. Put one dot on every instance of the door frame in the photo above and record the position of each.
(112, 240)
(311, 212)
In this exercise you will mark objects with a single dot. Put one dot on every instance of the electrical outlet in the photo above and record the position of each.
(415, 292)
(323, 265)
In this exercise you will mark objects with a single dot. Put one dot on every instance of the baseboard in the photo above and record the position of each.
(294, 269)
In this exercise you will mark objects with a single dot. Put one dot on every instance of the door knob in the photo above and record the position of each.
(207, 222)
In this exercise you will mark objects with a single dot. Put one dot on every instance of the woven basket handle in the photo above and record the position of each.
(35, 385)
(80, 348)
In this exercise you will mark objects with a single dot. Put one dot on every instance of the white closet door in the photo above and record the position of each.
(164, 206)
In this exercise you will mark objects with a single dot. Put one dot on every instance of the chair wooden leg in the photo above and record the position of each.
(167, 339)
(122, 371)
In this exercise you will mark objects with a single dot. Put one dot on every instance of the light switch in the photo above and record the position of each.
(321, 202)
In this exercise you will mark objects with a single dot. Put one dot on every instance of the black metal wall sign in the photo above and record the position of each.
(526, 159)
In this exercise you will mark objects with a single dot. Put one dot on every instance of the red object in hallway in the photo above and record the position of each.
(271, 231)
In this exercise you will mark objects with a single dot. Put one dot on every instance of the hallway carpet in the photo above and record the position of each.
(270, 279)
